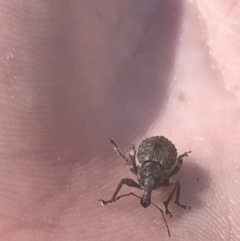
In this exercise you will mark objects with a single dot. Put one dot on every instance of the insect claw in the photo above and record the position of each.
(103, 203)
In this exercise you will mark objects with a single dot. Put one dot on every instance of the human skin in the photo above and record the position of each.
(74, 73)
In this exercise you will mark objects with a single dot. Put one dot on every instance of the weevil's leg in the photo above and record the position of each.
(185, 154)
(178, 195)
(166, 203)
(131, 193)
(131, 163)
(176, 185)
(132, 155)
(179, 164)
(128, 181)
(128, 194)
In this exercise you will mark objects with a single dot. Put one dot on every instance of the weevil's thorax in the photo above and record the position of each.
(151, 171)
(160, 150)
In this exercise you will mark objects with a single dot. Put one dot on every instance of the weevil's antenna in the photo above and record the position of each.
(131, 193)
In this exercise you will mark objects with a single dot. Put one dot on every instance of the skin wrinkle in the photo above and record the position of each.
(70, 80)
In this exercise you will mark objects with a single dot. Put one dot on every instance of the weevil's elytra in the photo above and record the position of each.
(154, 163)
(158, 149)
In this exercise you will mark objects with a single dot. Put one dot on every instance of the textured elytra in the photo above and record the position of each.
(158, 149)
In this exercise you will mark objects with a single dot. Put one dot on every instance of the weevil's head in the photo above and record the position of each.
(147, 184)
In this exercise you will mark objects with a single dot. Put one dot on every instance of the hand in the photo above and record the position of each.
(74, 74)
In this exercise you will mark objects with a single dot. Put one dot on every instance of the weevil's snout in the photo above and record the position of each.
(147, 185)
(145, 201)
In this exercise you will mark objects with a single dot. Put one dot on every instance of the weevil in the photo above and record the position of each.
(154, 163)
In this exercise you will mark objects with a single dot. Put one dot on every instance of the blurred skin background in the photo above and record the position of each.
(74, 73)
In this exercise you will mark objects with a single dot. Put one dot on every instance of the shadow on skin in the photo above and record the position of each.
(142, 84)
(193, 180)
(141, 76)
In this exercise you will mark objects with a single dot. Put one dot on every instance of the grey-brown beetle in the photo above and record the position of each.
(154, 163)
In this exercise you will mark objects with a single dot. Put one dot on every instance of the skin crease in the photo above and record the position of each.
(75, 73)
